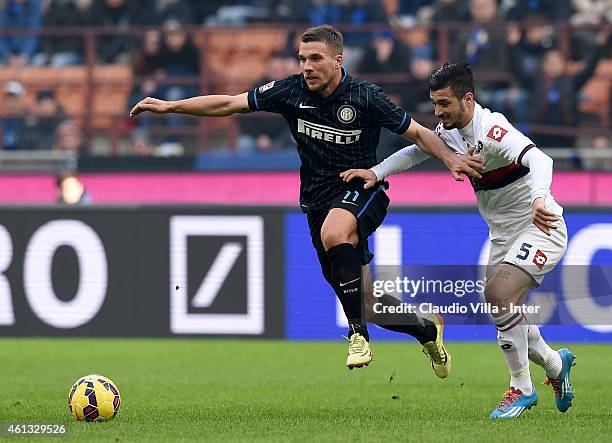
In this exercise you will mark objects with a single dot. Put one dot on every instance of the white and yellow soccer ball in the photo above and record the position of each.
(94, 398)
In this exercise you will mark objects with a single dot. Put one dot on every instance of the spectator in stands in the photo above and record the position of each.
(181, 10)
(205, 11)
(445, 11)
(385, 55)
(412, 12)
(555, 10)
(178, 57)
(602, 144)
(69, 137)
(148, 70)
(594, 153)
(66, 49)
(146, 58)
(483, 45)
(534, 42)
(591, 12)
(268, 132)
(554, 91)
(13, 115)
(238, 13)
(413, 97)
(140, 143)
(349, 12)
(40, 126)
(538, 37)
(360, 13)
(415, 94)
(71, 191)
(324, 11)
(147, 87)
(17, 50)
(114, 47)
(450, 11)
(179, 60)
(288, 11)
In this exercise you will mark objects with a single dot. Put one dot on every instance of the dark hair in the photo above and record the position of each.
(456, 75)
(59, 179)
(326, 34)
(45, 94)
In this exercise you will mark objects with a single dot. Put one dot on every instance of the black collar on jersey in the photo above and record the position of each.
(338, 91)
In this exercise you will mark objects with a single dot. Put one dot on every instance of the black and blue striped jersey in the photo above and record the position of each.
(333, 134)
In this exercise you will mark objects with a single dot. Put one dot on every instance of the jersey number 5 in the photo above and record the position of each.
(525, 250)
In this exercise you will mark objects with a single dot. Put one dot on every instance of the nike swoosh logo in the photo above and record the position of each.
(349, 282)
(303, 106)
(349, 203)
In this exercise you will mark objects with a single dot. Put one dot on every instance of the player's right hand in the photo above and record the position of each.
(367, 175)
(542, 218)
(152, 105)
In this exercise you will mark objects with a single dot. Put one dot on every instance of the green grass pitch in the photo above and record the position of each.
(249, 390)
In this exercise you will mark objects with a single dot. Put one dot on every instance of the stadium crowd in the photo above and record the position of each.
(532, 60)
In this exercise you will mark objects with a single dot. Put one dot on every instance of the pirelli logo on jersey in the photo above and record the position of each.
(328, 134)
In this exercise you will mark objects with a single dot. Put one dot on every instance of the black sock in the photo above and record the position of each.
(355, 328)
(420, 328)
(346, 281)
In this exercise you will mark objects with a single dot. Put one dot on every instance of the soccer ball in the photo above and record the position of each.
(94, 398)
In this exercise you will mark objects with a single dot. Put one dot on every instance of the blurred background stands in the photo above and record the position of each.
(71, 69)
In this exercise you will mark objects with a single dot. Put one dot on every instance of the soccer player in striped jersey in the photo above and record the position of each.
(527, 231)
(336, 119)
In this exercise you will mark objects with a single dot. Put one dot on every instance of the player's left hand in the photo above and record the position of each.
(366, 175)
(543, 219)
(465, 164)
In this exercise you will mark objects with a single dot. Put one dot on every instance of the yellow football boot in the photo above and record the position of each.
(438, 355)
(359, 354)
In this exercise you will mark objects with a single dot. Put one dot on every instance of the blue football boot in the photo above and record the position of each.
(564, 391)
(514, 403)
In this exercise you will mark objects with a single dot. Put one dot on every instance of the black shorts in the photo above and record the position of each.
(369, 207)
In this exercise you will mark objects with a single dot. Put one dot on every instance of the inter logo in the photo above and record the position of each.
(265, 87)
(346, 114)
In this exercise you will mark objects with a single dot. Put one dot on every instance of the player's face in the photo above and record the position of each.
(319, 66)
(449, 109)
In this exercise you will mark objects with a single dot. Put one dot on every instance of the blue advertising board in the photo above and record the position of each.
(453, 237)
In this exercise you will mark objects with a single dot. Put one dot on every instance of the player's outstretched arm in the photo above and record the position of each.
(399, 161)
(433, 145)
(201, 106)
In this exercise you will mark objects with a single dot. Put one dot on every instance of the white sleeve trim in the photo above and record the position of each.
(541, 168)
(402, 160)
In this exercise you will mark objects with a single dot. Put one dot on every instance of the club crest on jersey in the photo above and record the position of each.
(346, 114)
(540, 259)
(497, 133)
(265, 87)
(479, 148)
